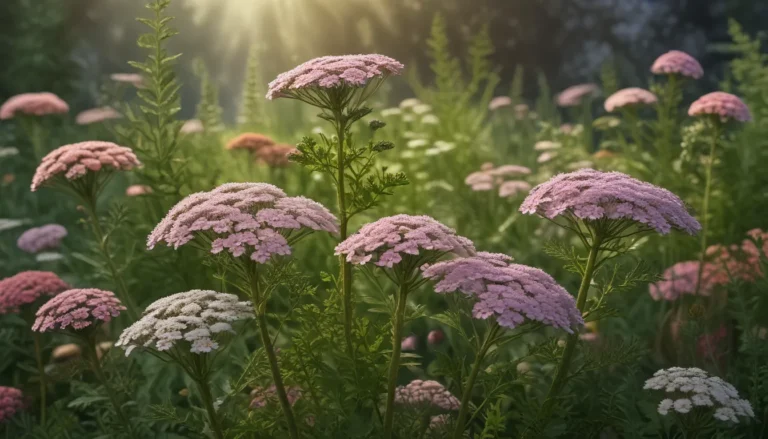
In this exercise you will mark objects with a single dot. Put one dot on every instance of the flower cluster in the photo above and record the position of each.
(573, 96)
(499, 102)
(676, 62)
(250, 142)
(78, 308)
(242, 217)
(260, 396)
(629, 97)
(194, 317)
(386, 241)
(136, 190)
(725, 105)
(510, 292)
(95, 115)
(11, 402)
(333, 71)
(192, 126)
(34, 104)
(489, 177)
(678, 280)
(26, 287)
(41, 238)
(693, 388)
(276, 156)
(426, 394)
(133, 79)
(74, 161)
(591, 195)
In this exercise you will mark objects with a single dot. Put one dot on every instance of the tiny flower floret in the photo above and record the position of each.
(725, 105)
(676, 62)
(512, 293)
(426, 394)
(629, 97)
(694, 388)
(26, 287)
(386, 241)
(11, 402)
(588, 195)
(76, 160)
(193, 319)
(333, 71)
(41, 238)
(33, 104)
(77, 309)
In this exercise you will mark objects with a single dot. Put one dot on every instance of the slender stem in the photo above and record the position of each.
(266, 340)
(458, 433)
(423, 425)
(705, 205)
(344, 266)
(394, 363)
(41, 372)
(99, 372)
(207, 397)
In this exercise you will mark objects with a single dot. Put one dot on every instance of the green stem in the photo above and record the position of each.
(394, 363)
(458, 433)
(99, 372)
(345, 267)
(705, 205)
(207, 397)
(266, 340)
(41, 372)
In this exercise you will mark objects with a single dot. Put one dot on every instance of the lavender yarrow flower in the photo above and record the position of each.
(386, 241)
(27, 287)
(41, 238)
(78, 309)
(254, 218)
(591, 195)
(499, 102)
(33, 104)
(76, 160)
(95, 115)
(11, 402)
(193, 319)
(629, 97)
(676, 62)
(725, 105)
(693, 387)
(426, 394)
(331, 72)
(510, 189)
(573, 96)
(512, 293)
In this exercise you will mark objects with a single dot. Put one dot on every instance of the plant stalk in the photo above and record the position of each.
(345, 267)
(99, 372)
(394, 363)
(705, 205)
(41, 372)
(207, 397)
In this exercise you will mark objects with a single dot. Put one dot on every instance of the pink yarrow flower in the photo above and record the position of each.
(629, 97)
(276, 156)
(725, 105)
(250, 141)
(11, 402)
(678, 280)
(329, 72)
(421, 394)
(410, 343)
(590, 195)
(136, 190)
(575, 95)
(679, 63)
(74, 161)
(41, 238)
(511, 293)
(387, 241)
(499, 102)
(33, 104)
(77, 309)
(95, 115)
(26, 288)
(510, 189)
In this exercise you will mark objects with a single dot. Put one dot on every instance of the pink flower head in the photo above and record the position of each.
(78, 309)
(725, 105)
(480, 181)
(499, 102)
(250, 141)
(509, 170)
(510, 189)
(134, 79)
(573, 96)
(676, 62)
(136, 190)
(276, 156)
(386, 241)
(435, 337)
(26, 287)
(735, 262)
(192, 126)
(588, 195)
(629, 97)
(332, 72)
(76, 160)
(37, 239)
(410, 343)
(252, 218)
(678, 280)
(95, 115)
(33, 104)
(512, 293)
(11, 402)
(426, 394)
(260, 396)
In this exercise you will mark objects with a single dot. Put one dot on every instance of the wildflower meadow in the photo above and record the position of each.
(367, 253)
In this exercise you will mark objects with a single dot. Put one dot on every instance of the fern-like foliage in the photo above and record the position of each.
(253, 115)
(209, 110)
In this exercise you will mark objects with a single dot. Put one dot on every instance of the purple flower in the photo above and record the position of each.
(628, 97)
(573, 96)
(589, 195)
(725, 105)
(26, 287)
(77, 308)
(35, 104)
(11, 402)
(676, 62)
(426, 394)
(331, 72)
(509, 292)
(386, 241)
(37, 239)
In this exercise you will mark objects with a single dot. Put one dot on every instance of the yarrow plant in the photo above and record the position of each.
(575, 95)
(96, 115)
(629, 97)
(41, 238)
(11, 402)
(185, 327)
(426, 398)
(676, 62)
(27, 108)
(400, 245)
(252, 142)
